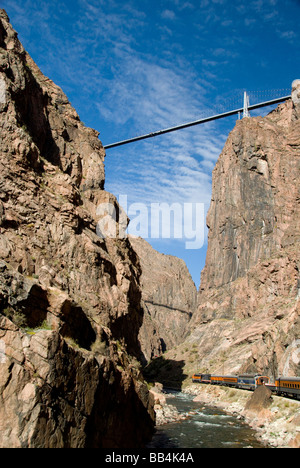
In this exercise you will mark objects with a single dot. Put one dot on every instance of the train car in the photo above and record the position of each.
(247, 382)
(251, 382)
(197, 378)
(202, 378)
(226, 380)
(288, 386)
(206, 378)
(262, 380)
(283, 386)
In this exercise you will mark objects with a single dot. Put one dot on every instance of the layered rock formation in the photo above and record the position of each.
(70, 302)
(169, 299)
(78, 311)
(248, 313)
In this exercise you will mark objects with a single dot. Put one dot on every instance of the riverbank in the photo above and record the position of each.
(165, 413)
(276, 420)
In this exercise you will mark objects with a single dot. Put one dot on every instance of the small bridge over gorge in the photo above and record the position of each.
(243, 112)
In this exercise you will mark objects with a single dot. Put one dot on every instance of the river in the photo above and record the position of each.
(204, 427)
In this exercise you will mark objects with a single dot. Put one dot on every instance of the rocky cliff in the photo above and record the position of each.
(169, 299)
(248, 304)
(78, 311)
(70, 302)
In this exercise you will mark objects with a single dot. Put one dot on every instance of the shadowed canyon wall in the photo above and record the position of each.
(169, 298)
(70, 302)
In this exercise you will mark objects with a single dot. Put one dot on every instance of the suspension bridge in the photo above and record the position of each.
(243, 111)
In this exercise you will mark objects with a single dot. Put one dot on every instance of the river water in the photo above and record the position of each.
(204, 427)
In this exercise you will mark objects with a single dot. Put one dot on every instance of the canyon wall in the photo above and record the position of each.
(169, 299)
(78, 312)
(248, 303)
(70, 302)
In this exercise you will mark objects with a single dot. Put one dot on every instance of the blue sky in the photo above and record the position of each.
(132, 67)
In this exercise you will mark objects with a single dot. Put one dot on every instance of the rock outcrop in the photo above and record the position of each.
(165, 413)
(70, 301)
(169, 299)
(248, 312)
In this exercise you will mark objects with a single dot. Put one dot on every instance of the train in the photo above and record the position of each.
(283, 386)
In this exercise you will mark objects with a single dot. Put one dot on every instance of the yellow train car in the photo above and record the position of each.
(288, 386)
(226, 380)
(284, 386)
(197, 378)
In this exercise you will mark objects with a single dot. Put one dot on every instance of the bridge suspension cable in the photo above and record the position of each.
(198, 122)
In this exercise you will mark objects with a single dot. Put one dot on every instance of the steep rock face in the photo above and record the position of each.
(169, 299)
(70, 302)
(254, 207)
(248, 313)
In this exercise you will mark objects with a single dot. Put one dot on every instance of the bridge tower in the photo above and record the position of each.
(246, 112)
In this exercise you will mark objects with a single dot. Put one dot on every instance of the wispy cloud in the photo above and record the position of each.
(144, 94)
(173, 168)
(168, 14)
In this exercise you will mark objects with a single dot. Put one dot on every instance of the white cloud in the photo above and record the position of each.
(168, 14)
(144, 95)
(289, 35)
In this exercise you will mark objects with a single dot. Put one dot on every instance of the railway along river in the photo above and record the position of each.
(204, 427)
